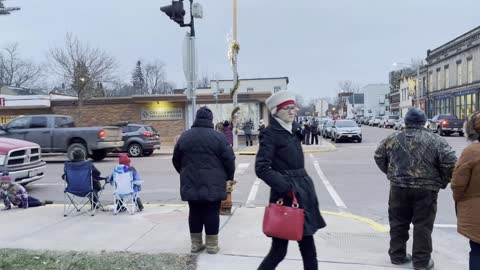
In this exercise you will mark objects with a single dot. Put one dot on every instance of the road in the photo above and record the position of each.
(347, 180)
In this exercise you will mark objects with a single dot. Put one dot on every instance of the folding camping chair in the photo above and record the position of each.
(79, 190)
(123, 195)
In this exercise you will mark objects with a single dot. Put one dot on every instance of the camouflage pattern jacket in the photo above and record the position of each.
(416, 158)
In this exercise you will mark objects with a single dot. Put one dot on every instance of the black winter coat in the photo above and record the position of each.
(280, 163)
(205, 161)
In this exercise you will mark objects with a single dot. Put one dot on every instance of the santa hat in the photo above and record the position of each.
(123, 159)
(6, 179)
(279, 100)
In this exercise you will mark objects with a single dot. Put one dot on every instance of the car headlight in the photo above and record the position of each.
(2, 159)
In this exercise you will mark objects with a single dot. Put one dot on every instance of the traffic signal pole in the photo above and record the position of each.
(176, 12)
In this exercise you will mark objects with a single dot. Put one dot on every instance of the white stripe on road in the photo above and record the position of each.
(242, 167)
(46, 184)
(336, 198)
(445, 226)
(253, 193)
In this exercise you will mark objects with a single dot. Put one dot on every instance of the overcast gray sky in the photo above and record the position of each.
(314, 43)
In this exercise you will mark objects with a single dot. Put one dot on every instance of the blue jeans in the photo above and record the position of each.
(474, 256)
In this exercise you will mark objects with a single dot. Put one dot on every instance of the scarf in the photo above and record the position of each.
(285, 125)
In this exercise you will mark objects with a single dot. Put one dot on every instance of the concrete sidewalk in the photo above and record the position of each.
(346, 243)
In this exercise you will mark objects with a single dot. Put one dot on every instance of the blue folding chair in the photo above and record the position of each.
(79, 191)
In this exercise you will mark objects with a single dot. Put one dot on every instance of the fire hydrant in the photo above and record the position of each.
(226, 205)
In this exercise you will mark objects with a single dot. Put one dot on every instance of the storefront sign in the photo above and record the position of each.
(467, 92)
(159, 114)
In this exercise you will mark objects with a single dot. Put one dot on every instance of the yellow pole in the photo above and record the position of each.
(235, 20)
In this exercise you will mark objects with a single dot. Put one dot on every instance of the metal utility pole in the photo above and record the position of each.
(6, 11)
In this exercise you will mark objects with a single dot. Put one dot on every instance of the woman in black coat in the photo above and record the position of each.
(280, 163)
(205, 161)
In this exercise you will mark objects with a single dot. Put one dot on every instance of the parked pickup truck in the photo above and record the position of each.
(445, 124)
(22, 160)
(58, 134)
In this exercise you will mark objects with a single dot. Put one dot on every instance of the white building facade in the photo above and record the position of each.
(376, 103)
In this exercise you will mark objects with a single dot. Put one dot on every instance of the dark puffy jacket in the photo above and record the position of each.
(280, 163)
(205, 162)
(416, 158)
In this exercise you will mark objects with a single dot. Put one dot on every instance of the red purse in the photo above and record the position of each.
(284, 222)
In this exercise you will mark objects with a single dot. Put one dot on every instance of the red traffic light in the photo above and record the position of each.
(175, 11)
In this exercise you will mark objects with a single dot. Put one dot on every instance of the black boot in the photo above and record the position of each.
(139, 204)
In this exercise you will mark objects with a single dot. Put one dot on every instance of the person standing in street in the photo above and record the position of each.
(280, 164)
(228, 132)
(418, 164)
(306, 132)
(261, 126)
(205, 161)
(315, 132)
(466, 189)
(247, 129)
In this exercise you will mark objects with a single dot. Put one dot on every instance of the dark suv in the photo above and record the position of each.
(139, 139)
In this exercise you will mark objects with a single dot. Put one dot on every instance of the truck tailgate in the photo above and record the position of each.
(112, 134)
(454, 123)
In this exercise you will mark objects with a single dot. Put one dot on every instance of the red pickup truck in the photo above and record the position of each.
(22, 160)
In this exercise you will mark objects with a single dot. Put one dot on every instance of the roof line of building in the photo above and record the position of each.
(453, 41)
(255, 79)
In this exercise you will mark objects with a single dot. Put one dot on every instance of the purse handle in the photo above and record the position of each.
(295, 203)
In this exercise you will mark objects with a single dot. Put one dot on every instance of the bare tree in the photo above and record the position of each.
(203, 82)
(82, 67)
(348, 87)
(155, 78)
(15, 71)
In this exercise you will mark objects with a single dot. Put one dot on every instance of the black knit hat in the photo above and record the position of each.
(204, 113)
(415, 117)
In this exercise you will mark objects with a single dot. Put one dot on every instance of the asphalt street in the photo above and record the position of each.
(347, 180)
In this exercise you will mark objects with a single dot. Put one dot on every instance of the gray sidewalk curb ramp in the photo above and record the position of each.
(345, 242)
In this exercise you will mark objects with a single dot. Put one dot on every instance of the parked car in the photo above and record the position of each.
(346, 130)
(58, 134)
(321, 124)
(358, 118)
(399, 124)
(139, 140)
(22, 160)
(445, 124)
(366, 121)
(388, 121)
(375, 121)
(327, 129)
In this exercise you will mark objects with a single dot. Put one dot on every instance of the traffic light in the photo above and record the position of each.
(175, 11)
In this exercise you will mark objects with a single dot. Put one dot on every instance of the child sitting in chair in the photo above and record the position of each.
(124, 167)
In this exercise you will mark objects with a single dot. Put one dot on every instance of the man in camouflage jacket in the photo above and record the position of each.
(418, 164)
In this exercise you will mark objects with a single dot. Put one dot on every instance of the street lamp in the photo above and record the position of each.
(6, 11)
(417, 103)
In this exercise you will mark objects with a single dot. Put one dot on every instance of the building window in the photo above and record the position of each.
(430, 82)
(276, 89)
(460, 107)
(470, 103)
(459, 73)
(221, 90)
(249, 89)
(447, 77)
(439, 80)
(470, 71)
(424, 85)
